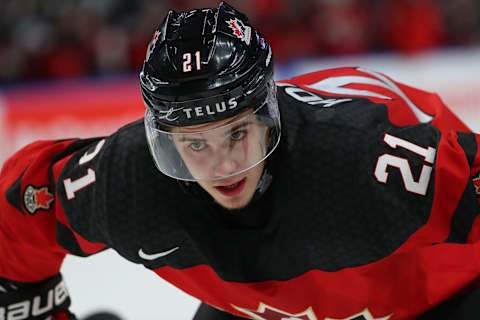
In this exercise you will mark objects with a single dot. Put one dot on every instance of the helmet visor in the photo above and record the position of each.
(215, 150)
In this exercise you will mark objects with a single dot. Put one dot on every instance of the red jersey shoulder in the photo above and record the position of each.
(32, 220)
(406, 105)
(476, 169)
(25, 177)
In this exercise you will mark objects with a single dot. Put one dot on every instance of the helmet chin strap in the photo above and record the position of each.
(263, 183)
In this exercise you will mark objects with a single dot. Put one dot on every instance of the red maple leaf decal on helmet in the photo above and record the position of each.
(240, 30)
(235, 28)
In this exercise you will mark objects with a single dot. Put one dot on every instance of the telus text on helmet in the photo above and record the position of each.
(219, 107)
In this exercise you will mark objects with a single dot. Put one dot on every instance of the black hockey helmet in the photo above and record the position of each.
(203, 66)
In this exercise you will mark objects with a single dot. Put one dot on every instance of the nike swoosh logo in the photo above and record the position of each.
(154, 256)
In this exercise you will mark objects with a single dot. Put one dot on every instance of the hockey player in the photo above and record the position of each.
(340, 194)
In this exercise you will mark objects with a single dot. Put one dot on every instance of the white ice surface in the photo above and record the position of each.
(106, 281)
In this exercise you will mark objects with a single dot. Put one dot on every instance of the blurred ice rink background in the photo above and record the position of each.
(68, 70)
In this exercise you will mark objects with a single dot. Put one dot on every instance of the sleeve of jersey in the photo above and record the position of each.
(475, 175)
(406, 105)
(35, 235)
(456, 207)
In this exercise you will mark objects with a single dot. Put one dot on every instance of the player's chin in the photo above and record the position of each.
(233, 204)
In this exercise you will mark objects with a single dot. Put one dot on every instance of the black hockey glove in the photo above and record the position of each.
(35, 301)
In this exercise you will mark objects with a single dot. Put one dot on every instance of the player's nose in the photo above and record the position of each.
(225, 164)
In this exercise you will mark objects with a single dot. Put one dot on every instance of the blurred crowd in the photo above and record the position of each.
(42, 39)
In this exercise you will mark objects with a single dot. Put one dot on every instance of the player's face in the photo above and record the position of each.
(212, 152)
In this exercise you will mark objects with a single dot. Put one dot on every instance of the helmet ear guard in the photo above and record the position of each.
(207, 66)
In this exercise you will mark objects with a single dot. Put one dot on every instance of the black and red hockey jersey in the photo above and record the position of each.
(372, 211)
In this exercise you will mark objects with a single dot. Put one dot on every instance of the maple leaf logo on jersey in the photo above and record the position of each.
(364, 315)
(476, 184)
(240, 30)
(265, 312)
(37, 199)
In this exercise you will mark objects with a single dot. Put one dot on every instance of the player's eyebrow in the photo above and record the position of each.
(238, 126)
(227, 133)
(189, 139)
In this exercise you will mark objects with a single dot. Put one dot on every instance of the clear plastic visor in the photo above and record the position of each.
(216, 150)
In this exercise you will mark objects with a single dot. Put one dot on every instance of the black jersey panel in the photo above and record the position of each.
(14, 193)
(468, 208)
(329, 188)
(67, 240)
(469, 144)
(463, 217)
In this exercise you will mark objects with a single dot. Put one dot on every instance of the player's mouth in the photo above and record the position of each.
(230, 190)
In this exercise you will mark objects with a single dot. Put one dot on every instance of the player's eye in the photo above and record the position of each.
(197, 145)
(238, 135)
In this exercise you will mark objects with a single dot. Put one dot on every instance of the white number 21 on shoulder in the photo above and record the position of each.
(402, 164)
(72, 186)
